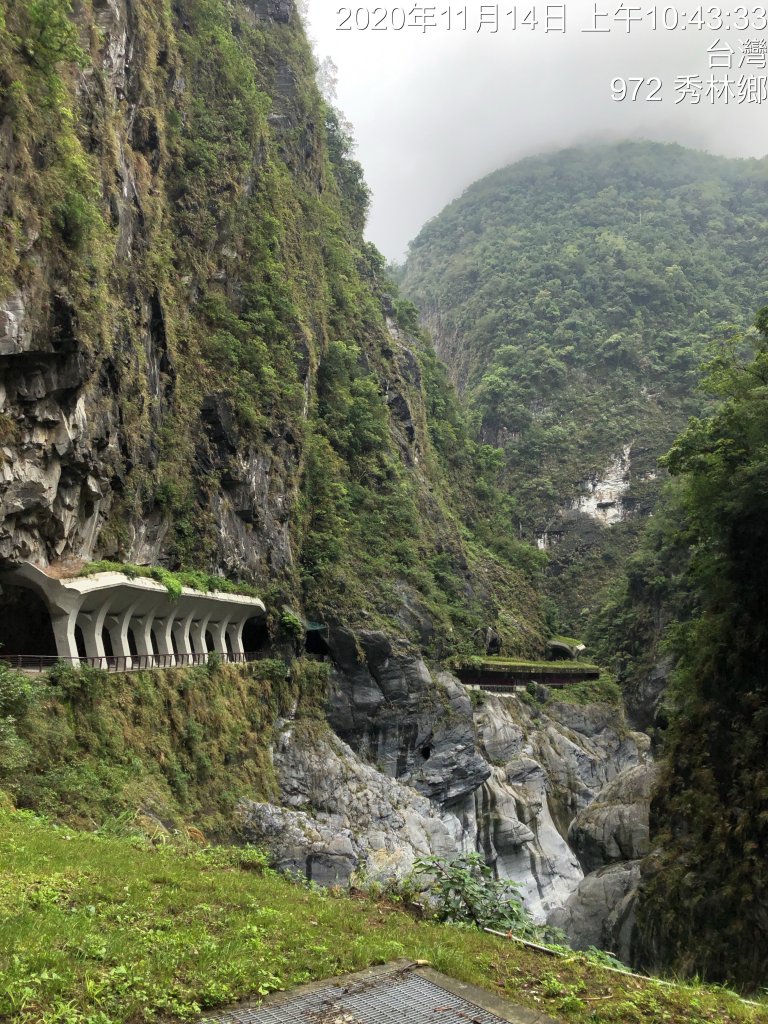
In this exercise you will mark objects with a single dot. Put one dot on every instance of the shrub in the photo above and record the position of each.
(16, 693)
(464, 891)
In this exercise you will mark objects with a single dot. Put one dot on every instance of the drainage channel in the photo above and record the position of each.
(399, 993)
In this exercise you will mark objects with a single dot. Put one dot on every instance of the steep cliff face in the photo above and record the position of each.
(201, 366)
(138, 151)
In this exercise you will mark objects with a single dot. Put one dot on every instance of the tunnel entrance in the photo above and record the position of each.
(25, 623)
(255, 636)
(315, 641)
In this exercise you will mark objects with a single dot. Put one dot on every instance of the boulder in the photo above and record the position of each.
(615, 826)
(601, 910)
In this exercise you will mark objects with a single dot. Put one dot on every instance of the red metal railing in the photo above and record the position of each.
(122, 663)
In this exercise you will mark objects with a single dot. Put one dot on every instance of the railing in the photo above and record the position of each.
(515, 686)
(510, 679)
(122, 663)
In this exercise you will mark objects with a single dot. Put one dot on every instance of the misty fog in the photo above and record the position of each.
(433, 111)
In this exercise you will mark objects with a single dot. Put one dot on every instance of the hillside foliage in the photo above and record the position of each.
(573, 296)
(704, 898)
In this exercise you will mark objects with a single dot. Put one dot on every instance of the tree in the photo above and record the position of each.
(704, 906)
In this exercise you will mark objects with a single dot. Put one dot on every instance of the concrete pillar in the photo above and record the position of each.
(197, 633)
(118, 625)
(235, 631)
(64, 635)
(92, 624)
(181, 635)
(163, 636)
(142, 634)
(219, 634)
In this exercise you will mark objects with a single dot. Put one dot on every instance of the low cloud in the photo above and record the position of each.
(434, 111)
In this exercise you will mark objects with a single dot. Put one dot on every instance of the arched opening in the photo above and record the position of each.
(208, 641)
(132, 644)
(558, 650)
(25, 623)
(153, 641)
(174, 645)
(228, 642)
(255, 635)
(80, 642)
(106, 639)
(315, 642)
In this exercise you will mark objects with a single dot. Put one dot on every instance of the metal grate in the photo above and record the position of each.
(394, 998)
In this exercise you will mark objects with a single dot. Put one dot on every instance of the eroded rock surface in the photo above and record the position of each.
(600, 912)
(615, 826)
(412, 765)
(610, 836)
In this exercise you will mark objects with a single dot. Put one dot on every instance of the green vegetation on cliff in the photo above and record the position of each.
(184, 226)
(177, 746)
(573, 296)
(704, 897)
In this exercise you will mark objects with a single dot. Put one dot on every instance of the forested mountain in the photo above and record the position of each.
(201, 357)
(573, 296)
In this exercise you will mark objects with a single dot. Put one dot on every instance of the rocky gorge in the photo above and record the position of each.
(410, 763)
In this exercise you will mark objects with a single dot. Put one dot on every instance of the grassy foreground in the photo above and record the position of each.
(99, 930)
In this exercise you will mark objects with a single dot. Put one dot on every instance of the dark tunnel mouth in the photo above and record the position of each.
(25, 623)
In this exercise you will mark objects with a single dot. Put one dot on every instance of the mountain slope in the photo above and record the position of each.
(572, 296)
(202, 365)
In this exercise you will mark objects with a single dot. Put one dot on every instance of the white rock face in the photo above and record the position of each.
(556, 761)
(601, 496)
(352, 818)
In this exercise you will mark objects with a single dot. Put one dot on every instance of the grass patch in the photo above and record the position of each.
(172, 581)
(604, 690)
(571, 641)
(98, 930)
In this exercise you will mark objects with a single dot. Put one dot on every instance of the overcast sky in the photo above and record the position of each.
(434, 110)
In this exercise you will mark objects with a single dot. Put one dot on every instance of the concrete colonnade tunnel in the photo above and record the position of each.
(111, 616)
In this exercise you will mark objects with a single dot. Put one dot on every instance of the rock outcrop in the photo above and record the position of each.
(610, 837)
(615, 826)
(412, 765)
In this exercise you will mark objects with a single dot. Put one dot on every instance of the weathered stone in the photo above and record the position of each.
(277, 10)
(15, 333)
(615, 826)
(358, 816)
(610, 836)
(601, 910)
(385, 704)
